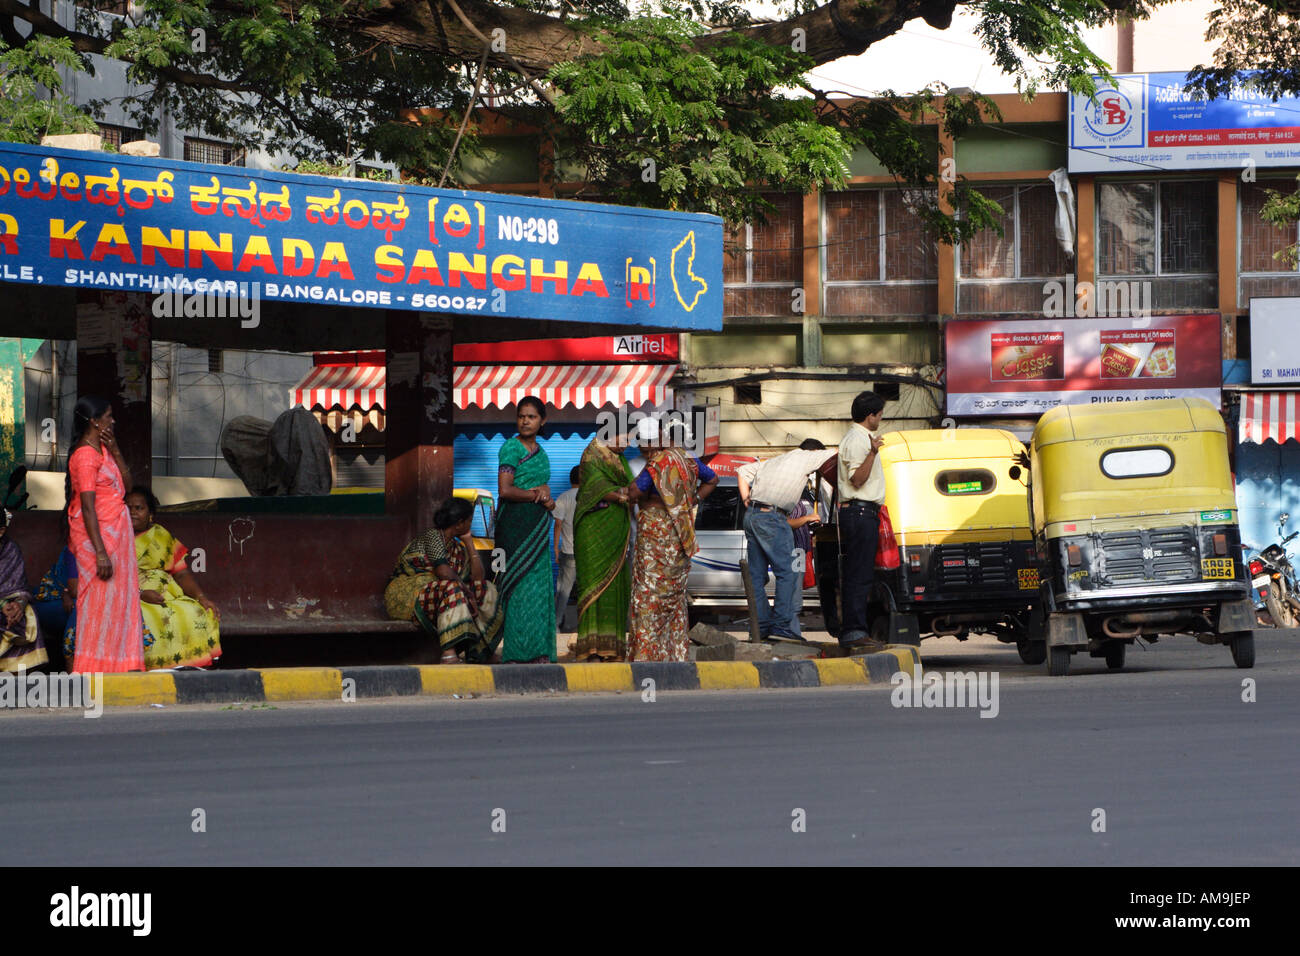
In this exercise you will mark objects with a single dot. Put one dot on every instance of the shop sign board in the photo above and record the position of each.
(180, 230)
(1010, 367)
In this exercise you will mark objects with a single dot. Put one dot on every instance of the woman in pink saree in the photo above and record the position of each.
(110, 635)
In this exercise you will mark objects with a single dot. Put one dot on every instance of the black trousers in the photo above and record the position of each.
(859, 532)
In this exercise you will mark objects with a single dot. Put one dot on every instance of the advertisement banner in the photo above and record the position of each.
(1146, 120)
(1008, 367)
(1274, 346)
(106, 221)
(637, 348)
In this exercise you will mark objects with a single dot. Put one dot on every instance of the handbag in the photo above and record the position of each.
(886, 544)
(809, 575)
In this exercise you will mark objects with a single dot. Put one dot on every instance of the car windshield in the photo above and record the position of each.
(718, 511)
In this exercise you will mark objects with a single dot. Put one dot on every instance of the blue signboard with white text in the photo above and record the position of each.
(1147, 121)
(105, 221)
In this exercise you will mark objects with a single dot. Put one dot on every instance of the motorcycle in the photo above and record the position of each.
(1272, 574)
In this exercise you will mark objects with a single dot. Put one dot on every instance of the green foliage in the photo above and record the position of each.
(1040, 43)
(1282, 210)
(656, 121)
(660, 118)
(26, 114)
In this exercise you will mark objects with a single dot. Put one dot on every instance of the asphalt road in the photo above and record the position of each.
(1186, 772)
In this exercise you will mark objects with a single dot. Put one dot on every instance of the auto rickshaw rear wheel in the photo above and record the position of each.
(1032, 652)
(1058, 661)
(1243, 650)
(1115, 655)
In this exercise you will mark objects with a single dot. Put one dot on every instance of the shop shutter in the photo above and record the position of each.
(477, 447)
(360, 466)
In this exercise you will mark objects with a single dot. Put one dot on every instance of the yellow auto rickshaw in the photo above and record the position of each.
(1136, 526)
(958, 504)
(483, 526)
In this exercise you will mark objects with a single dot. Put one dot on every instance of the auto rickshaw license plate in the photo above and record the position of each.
(1027, 578)
(1217, 568)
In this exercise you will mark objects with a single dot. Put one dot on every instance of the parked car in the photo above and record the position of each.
(715, 585)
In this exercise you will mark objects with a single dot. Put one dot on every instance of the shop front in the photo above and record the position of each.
(114, 252)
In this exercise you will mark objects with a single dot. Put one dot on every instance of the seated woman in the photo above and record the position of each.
(439, 583)
(21, 647)
(184, 624)
(55, 603)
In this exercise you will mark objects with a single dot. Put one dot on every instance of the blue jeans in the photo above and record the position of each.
(770, 543)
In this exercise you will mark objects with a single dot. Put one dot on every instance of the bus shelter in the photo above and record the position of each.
(115, 251)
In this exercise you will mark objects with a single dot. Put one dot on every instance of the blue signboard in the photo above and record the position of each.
(103, 221)
(1147, 120)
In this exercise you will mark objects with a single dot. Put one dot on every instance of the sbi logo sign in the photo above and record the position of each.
(1109, 114)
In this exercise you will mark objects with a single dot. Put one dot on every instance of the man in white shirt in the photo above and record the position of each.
(770, 490)
(861, 483)
(565, 505)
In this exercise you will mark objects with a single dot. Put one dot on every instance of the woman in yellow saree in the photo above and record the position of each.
(182, 622)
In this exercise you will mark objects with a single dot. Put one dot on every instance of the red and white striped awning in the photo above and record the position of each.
(560, 385)
(341, 386)
(1268, 415)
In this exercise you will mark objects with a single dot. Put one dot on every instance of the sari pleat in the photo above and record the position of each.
(527, 585)
(601, 532)
(665, 543)
(110, 629)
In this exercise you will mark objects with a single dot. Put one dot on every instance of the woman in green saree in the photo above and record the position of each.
(523, 532)
(602, 527)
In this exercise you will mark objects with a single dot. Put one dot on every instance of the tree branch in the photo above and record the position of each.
(83, 43)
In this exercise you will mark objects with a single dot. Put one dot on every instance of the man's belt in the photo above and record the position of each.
(764, 506)
(856, 503)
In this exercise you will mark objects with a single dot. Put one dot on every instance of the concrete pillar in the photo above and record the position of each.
(1228, 262)
(114, 346)
(1085, 251)
(419, 429)
(810, 351)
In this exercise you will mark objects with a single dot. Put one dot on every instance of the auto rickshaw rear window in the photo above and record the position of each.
(967, 481)
(1149, 462)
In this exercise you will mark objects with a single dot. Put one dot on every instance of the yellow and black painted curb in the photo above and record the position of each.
(271, 685)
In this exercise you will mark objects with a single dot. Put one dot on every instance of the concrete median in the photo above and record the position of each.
(277, 684)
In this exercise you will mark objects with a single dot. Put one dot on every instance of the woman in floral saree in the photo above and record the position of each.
(439, 583)
(668, 490)
(523, 531)
(602, 528)
(182, 621)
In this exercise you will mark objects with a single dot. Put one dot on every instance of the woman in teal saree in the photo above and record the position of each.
(523, 530)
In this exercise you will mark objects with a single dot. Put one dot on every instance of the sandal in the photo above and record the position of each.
(450, 657)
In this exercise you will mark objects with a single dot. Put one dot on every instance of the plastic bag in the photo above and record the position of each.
(886, 544)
